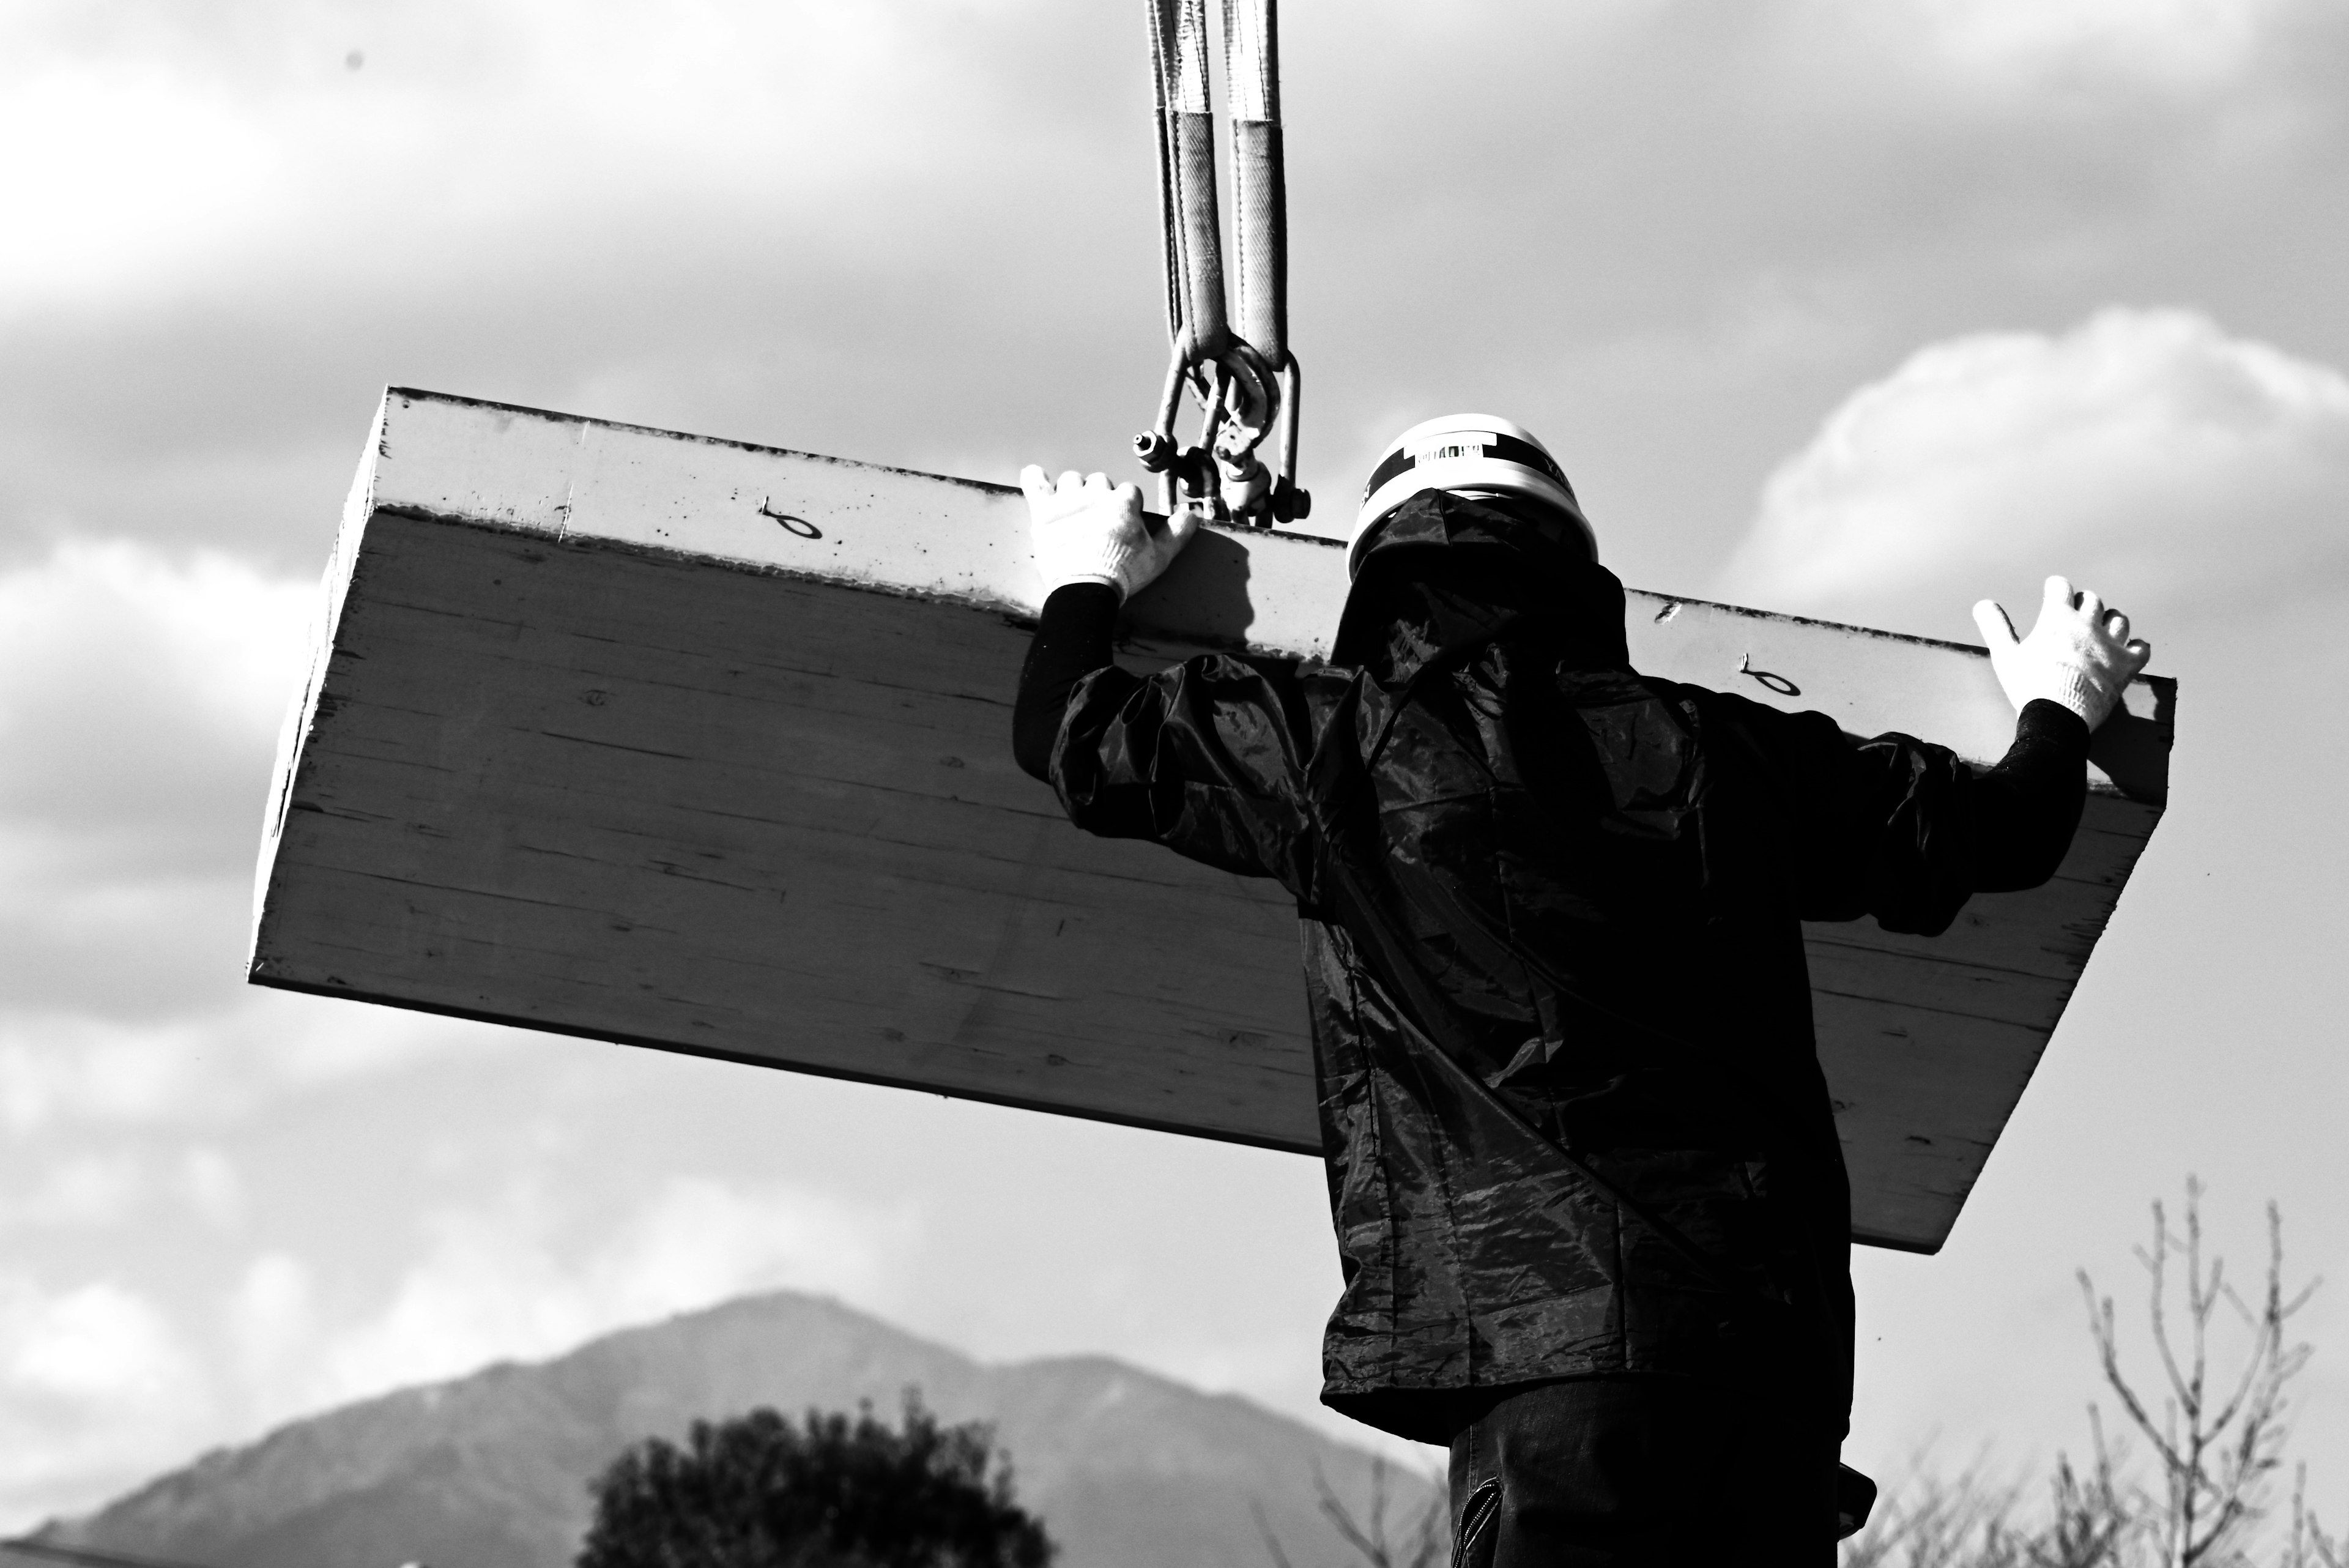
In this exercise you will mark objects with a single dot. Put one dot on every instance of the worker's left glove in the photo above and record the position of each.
(1086, 532)
(2080, 654)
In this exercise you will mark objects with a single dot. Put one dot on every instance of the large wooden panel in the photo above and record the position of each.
(703, 746)
(761, 818)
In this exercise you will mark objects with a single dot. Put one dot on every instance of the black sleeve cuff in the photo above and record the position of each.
(1073, 638)
(2042, 724)
(2028, 807)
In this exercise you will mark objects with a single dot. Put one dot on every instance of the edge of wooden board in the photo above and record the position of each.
(802, 1069)
(900, 531)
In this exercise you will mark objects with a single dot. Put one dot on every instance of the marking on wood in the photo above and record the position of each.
(704, 746)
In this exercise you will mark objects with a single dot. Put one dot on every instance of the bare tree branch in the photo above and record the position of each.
(1421, 1546)
(1264, 1528)
(2216, 1460)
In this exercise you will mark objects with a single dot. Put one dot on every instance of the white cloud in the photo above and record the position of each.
(95, 1384)
(2169, 43)
(218, 136)
(210, 1186)
(172, 167)
(139, 697)
(100, 1387)
(74, 1068)
(80, 1192)
(2146, 453)
(140, 694)
(96, 1342)
(273, 1324)
(500, 1284)
(64, 1071)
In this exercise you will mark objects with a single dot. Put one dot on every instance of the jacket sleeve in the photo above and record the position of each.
(1205, 758)
(1073, 638)
(1900, 829)
(2027, 808)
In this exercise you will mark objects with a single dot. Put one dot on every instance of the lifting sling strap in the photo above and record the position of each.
(1236, 362)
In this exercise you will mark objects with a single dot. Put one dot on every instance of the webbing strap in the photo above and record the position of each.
(1259, 189)
(1246, 379)
(1252, 60)
(1190, 223)
(1186, 140)
(1163, 110)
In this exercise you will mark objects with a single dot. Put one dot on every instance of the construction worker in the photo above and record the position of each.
(1591, 1209)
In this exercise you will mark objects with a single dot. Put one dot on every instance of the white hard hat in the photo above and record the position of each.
(1464, 452)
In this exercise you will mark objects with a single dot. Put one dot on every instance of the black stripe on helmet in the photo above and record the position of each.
(1396, 462)
(1509, 449)
(1491, 444)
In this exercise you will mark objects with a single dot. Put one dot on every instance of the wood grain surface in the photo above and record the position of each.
(582, 750)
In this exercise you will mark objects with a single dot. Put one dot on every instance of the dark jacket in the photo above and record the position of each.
(1551, 909)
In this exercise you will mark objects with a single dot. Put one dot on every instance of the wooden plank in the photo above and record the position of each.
(704, 746)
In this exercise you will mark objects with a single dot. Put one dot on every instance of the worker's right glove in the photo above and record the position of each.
(1085, 532)
(2080, 654)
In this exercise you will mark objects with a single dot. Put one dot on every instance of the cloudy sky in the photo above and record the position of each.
(1861, 308)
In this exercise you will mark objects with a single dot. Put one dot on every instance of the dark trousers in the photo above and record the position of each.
(1642, 1472)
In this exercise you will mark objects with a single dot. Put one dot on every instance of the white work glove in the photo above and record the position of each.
(2080, 654)
(1085, 532)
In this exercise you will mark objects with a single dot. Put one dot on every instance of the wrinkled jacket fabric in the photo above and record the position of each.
(1570, 1105)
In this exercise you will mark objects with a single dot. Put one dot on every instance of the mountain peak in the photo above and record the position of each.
(492, 1470)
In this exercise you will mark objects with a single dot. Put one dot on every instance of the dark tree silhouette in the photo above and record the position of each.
(758, 1492)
